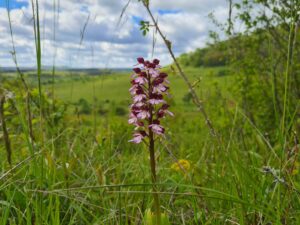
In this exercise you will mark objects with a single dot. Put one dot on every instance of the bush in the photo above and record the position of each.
(120, 111)
(187, 97)
(223, 72)
(84, 107)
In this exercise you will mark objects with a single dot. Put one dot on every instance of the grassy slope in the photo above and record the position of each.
(115, 87)
(224, 184)
(112, 91)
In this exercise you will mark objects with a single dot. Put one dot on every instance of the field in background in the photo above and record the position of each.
(64, 149)
(87, 172)
(107, 97)
(114, 87)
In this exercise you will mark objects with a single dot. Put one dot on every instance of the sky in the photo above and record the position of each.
(107, 42)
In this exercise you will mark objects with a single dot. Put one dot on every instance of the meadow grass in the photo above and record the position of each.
(92, 175)
(72, 162)
(115, 87)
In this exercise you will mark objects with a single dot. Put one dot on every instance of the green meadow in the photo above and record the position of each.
(84, 170)
(69, 155)
(115, 87)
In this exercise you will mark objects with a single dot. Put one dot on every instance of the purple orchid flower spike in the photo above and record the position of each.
(149, 88)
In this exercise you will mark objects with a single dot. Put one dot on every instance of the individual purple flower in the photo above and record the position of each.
(140, 60)
(156, 61)
(156, 99)
(163, 75)
(162, 113)
(139, 104)
(156, 127)
(153, 72)
(132, 119)
(143, 114)
(149, 87)
(133, 89)
(160, 88)
(138, 137)
(139, 98)
(137, 70)
(140, 80)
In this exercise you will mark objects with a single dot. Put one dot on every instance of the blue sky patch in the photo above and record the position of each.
(168, 11)
(84, 8)
(136, 19)
(13, 4)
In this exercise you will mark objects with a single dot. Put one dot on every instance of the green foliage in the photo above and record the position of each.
(187, 98)
(207, 57)
(150, 218)
(79, 168)
(85, 168)
(83, 106)
(120, 111)
(223, 72)
(264, 63)
(144, 27)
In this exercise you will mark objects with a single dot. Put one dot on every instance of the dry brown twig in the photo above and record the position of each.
(4, 129)
(196, 99)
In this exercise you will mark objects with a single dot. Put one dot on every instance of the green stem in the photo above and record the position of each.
(154, 178)
(286, 83)
(153, 162)
(4, 129)
(37, 36)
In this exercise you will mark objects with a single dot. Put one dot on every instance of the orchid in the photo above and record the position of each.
(148, 91)
(138, 137)
(149, 87)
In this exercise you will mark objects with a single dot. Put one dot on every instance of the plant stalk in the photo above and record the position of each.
(153, 162)
(154, 178)
(196, 99)
(4, 129)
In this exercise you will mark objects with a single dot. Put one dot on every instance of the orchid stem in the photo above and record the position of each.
(154, 178)
(152, 161)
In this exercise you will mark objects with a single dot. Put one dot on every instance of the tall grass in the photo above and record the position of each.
(80, 169)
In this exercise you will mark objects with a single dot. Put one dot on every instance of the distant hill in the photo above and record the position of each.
(48, 70)
(210, 56)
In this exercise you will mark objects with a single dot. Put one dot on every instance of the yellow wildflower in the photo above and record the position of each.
(182, 164)
(296, 169)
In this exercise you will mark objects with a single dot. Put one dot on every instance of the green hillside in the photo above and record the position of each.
(210, 139)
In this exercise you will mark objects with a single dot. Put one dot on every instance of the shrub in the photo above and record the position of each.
(120, 111)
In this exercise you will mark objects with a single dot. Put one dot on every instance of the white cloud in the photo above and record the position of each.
(111, 46)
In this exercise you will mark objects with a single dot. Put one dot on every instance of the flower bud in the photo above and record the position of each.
(140, 60)
(137, 70)
(156, 61)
